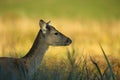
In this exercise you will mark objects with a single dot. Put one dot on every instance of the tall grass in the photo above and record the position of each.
(77, 68)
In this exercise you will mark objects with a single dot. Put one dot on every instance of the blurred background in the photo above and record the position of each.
(86, 22)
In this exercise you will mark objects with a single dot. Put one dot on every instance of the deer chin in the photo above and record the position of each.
(67, 44)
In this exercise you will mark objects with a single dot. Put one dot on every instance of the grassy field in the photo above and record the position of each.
(18, 34)
(87, 23)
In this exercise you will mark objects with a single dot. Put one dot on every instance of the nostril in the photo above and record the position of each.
(68, 40)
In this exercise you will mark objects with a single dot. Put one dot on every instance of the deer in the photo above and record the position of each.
(25, 67)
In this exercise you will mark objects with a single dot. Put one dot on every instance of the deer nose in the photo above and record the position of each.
(68, 41)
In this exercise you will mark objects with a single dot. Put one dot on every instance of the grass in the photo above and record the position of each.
(89, 33)
(77, 70)
(108, 63)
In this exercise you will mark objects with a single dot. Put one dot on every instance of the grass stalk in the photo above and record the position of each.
(98, 69)
(108, 63)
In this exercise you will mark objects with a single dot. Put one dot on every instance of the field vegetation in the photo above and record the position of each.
(89, 23)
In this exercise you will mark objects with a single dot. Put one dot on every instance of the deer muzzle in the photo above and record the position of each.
(68, 41)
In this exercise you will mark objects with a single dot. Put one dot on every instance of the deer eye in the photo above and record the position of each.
(56, 33)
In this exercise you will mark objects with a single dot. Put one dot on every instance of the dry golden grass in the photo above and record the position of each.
(18, 33)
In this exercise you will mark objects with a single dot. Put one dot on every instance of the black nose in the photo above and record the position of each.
(68, 41)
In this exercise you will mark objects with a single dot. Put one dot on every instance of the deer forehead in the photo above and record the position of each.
(52, 29)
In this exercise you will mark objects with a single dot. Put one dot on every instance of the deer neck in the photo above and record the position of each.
(36, 54)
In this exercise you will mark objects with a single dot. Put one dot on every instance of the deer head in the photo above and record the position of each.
(52, 36)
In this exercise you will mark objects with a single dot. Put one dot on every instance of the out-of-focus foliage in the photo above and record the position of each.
(63, 8)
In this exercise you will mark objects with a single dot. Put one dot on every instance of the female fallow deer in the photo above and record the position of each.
(24, 68)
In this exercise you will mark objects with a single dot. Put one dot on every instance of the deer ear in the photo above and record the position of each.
(48, 23)
(43, 25)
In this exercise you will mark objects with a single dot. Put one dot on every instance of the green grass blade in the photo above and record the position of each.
(108, 63)
(98, 69)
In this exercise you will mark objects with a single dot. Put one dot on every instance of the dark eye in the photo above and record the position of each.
(56, 33)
